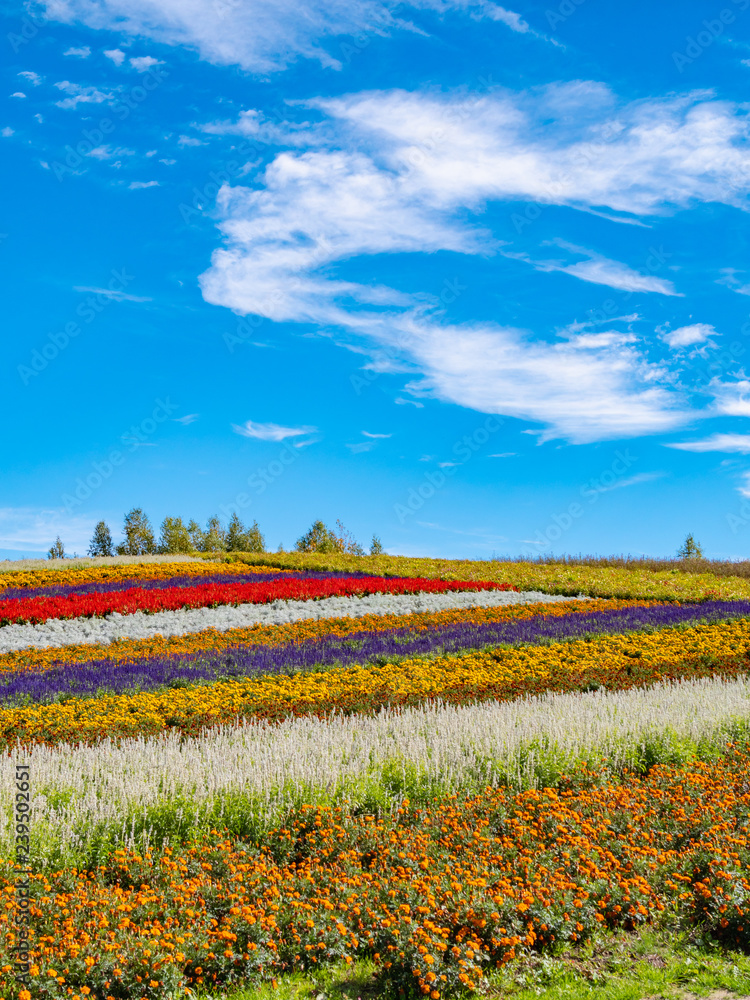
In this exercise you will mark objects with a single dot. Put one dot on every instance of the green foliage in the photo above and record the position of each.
(101, 541)
(214, 537)
(139, 535)
(320, 538)
(690, 549)
(242, 539)
(174, 537)
(57, 550)
(376, 546)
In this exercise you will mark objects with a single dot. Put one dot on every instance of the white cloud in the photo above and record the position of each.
(684, 336)
(621, 484)
(109, 152)
(263, 35)
(39, 118)
(739, 443)
(270, 432)
(730, 279)
(369, 435)
(81, 53)
(18, 94)
(581, 396)
(601, 271)
(140, 185)
(732, 399)
(81, 95)
(361, 446)
(110, 294)
(143, 63)
(168, 163)
(116, 55)
(7, 132)
(188, 419)
(33, 78)
(503, 454)
(189, 140)
(410, 402)
(35, 529)
(402, 172)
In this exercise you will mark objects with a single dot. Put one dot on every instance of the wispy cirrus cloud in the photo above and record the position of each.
(266, 35)
(35, 529)
(111, 294)
(729, 443)
(600, 270)
(271, 432)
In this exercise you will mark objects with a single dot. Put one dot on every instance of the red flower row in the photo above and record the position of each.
(205, 595)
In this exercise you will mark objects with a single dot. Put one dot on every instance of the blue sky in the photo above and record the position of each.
(474, 278)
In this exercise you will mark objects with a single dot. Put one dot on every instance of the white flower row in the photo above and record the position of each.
(300, 760)
(85, 631)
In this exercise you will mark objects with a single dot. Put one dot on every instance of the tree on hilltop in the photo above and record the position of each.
(242, 539)
(101, 541)
(57, 550)
(174, 537)
(319, 538)
(690, 549)
(139, 535)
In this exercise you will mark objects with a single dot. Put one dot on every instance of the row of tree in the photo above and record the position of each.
(176, 537)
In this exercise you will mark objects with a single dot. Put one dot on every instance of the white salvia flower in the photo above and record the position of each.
(76, 795)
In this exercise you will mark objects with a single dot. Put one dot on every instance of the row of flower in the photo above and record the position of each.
(118, 572)
(202, 595)
(501, 673)
(437, 895)
(348, 644)
(212, 742)
(215, 641)
(680, 582)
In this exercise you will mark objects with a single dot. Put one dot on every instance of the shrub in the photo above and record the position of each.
(319, 538)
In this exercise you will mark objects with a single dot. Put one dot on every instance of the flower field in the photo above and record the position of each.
(238, 770)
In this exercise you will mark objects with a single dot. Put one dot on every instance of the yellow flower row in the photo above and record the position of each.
(552, 578)
(122, 571)
(499, 673)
